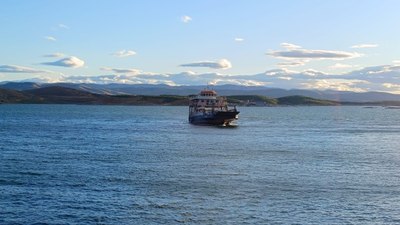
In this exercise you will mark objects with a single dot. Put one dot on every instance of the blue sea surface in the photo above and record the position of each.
(74, 164)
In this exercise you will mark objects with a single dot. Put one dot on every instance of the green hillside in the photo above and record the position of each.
(248, 99)
(302, 100)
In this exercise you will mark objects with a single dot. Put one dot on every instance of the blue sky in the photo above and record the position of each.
(288, 44)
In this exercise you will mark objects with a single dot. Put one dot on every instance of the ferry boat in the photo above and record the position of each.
(207, 108)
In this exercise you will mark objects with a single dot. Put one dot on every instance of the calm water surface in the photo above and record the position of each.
(67, 164)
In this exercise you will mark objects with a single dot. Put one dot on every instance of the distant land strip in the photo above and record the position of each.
(65, 95)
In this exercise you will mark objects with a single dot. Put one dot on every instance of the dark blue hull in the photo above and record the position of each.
(217, 118)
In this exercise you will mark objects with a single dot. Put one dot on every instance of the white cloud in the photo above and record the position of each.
(285, 78)
(186, 19)
(238, 82)
(340, 66)
(336, 84)
(289, 46)
(50, 38)
(291, 63)
(221, 64)
(313, 73)
(125, 71)
(63, 26)
(365, 46)
(109, 79)
(19, 69)
(378, 69)
(296, 55)
(124, 53)
(396, 62)
(376, 74)
(190, 73)
(54, 55)
(279, 72)
(313, 54)
(72, 62)
(238, 39)
(391, 85)
(376, 78)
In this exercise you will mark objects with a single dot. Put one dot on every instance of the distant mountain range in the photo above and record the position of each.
(67, 95)
(227, 90)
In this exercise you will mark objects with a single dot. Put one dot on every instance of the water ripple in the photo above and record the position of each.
(69, 164)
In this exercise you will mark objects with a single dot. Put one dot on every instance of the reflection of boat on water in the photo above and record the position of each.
(209, 109)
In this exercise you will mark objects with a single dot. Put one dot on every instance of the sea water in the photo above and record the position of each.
(73, 164)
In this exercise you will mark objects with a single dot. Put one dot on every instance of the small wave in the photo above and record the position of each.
(31, 173)
(10, 182)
